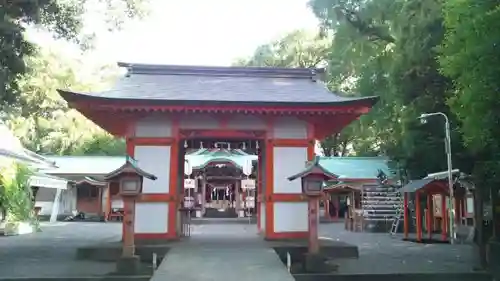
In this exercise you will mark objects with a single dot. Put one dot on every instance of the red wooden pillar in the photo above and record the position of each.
(405, 216)
(128, 229)
(313, 225)
(418, 211)
(336, 203)
(444, 218)
(458, 207)
(430, 216)
(107, 210)
(326, 204)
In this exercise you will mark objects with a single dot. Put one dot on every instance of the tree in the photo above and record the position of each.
(387, 48)
(63, 19)
(301, 48)
(469, 56)
(44, 123)
(16, 197)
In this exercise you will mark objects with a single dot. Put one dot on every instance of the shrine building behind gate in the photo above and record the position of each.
(157, 108)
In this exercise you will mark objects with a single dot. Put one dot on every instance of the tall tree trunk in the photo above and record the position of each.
(480, 241)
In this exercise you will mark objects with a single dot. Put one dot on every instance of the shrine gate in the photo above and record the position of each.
(158, 107)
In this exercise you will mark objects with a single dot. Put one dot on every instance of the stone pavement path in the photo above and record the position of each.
(228, 252)
(379, 253)
(51, 253)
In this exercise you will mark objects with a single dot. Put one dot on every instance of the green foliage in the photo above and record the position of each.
(469, 56)
(301, 48)
(44, 123)
(388, 48)
(16, 196)
(63, 19)
(298, 48)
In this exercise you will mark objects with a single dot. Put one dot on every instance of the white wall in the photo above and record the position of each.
(153, 127)
(151, 217)
(289, 128)
(288, 161)
(45, 200)
(154, 160)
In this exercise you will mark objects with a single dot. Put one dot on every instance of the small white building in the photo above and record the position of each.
(53, 195)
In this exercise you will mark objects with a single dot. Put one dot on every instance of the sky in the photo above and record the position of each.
(204, 32)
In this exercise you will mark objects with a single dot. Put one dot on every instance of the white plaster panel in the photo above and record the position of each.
(45, 200)
(154, 160)
(198, 121)
(287, 162)
(46, 194)
(153, 127)
(263, 216)
(289, 128)
(290, 216)
(246, 122)
(151, 217)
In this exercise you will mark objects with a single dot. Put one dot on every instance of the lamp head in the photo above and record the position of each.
(423, 118)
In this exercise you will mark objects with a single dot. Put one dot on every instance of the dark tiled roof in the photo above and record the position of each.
(415, 185)
(173, 84)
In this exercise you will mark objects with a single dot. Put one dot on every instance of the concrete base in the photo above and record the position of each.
(394, 277)
(298, 249)
(494, 258)
(317, 263)
(128, 265)
(18, 228)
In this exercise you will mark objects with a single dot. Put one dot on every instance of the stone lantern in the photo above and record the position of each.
(130, 178)
(313, 177)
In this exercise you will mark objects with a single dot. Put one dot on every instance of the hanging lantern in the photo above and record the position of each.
(185, 144)
(244, 147)
(201, 145)
(257, 145)
(247, 167)
(188, 170)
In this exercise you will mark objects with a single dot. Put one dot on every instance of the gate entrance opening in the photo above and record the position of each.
(222, 178)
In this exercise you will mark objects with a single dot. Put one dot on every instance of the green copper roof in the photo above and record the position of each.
(202, 157)
(356, 167)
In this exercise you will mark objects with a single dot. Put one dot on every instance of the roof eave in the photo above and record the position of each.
(74, 97)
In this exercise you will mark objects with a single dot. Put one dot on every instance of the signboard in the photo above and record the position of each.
(189, 184)
(247, 184)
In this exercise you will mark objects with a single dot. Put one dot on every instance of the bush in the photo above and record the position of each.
(16, 194)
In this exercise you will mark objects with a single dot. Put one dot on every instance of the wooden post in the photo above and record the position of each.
(430, 217)
(326, 203)
(458, 214)
(418, 211)
(406, 216)
(336, 203)
(313, 225)
(107, 207)
(128, 221)
(100, 197)
(444, 215)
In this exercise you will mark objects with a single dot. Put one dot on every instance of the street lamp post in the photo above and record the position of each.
(451, 206)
